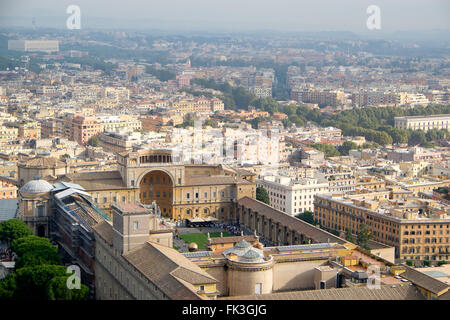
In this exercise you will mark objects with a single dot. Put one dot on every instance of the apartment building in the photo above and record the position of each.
(85, 127)
(122, 123)
(418, 228)
(322, 97)
(293, 195)
(8, 133)
(424, 123)
(34, 45)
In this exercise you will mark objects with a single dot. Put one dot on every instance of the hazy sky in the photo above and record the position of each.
(235, 15)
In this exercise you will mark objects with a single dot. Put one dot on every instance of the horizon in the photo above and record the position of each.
(234, 17)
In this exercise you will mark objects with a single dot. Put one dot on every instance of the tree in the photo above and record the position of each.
(364, 235)
(442, 262)
(427, 263)
(45, 255)
(29, 243)
(93, 141)
(13, 229)
(349, 236)
(262, 195)
(31, 282)
(57, 290)
(417, 137)
(409, 263)
(346, 147)
(307, 216)
(7, 287)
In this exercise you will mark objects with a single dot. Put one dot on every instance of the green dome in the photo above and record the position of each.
(242, 244)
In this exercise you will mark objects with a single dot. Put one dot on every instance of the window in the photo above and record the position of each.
(258, 288)
(187, 195)
(123, 199)
(135, 225)
(104, 200)
(202, 288)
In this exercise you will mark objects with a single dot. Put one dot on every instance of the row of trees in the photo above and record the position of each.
(38, 273)
(374, 123)
(160, 74)
(331, 151)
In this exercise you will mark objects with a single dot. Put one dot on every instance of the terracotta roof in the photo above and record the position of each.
(425, 281)
(213, 180)
(96, 180)
(301, 227)
(105, 231)
(44, 162)
(169, 270)
(399, 292)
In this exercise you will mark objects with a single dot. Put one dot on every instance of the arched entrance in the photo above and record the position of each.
(157, 186)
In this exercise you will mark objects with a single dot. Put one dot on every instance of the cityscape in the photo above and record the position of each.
(196, 157)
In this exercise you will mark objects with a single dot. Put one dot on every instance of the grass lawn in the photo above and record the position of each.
(201, 238)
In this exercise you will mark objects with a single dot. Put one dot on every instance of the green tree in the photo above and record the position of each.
(307, 216)
(427, 263)
(328, 149)
(417, 137)
(93, 141)
(349, 236)
(45, 255)
(262, 195)
(346, 147)
(7, 287)
(31, 282)
(442, 262)
(409, 263)
(364, 235)
(57, 290)
(13, 229)
(29, 243)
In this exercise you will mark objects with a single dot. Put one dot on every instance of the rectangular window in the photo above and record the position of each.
(187, 195)
(258, 288)
(135, 225)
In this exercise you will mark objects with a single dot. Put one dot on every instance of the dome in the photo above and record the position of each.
(242, 244)
(36, 186)
(251, 255)
(192, 246)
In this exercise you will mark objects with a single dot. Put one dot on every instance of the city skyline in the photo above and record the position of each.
(284, 16)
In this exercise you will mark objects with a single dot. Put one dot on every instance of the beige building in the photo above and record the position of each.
(129, 265)
(424, 123)
(418, 228)
(182, 191)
